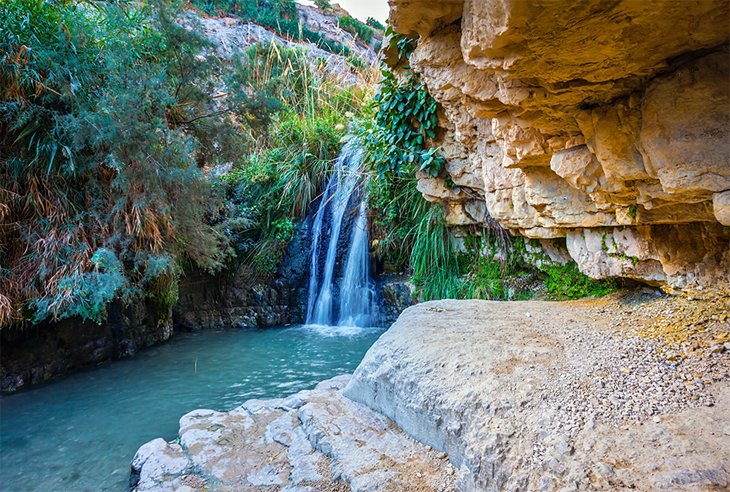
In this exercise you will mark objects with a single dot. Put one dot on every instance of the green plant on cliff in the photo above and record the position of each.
(405, 123)
(281, 16)
(437, 268)
(397, 136)
(568, 282)
(357, 28)
(375, 24)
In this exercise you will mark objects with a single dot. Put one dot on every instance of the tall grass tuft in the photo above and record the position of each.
(436, 269)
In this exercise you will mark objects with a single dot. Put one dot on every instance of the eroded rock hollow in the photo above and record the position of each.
(601, 124)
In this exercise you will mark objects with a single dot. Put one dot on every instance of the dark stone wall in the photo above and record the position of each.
(395, 293)
(35, 354)
(236, 300)
(242, 299)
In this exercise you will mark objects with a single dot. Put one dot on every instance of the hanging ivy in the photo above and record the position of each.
(406, 120)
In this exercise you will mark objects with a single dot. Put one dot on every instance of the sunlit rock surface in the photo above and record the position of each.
(309, 442)
(553, 396)
(487, 396)
(568, 118)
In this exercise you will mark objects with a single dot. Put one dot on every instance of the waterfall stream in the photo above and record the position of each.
(343, 203)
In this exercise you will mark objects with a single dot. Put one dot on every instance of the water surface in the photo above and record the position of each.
(80, 433)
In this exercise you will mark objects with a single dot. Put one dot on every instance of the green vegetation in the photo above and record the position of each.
(324, 5)
(396, 137)
(358, 29)
(632, 212)
(274, 183)
(279, 15)
(437, 268)
(409, 232)
(107, 112)
(375, 24)
(401, 137)
(110, 113)
(567, 282)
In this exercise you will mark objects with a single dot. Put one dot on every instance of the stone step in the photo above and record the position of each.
(312, 441)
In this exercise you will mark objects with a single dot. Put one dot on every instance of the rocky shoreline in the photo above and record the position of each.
(312, 441)
(498, 396)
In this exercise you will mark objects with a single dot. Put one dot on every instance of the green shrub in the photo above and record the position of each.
(396, 133)
(437, 271)
(84, 294)
(375, 24)
(324, 5)
(406, 121)
(358, 29)
(567, 282)
(108, 114)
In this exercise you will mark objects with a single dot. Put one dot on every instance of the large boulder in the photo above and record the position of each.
(550, 396)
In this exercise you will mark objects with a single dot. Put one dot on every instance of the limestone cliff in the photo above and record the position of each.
(603, 123)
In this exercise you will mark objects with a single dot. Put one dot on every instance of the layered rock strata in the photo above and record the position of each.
(597, 122)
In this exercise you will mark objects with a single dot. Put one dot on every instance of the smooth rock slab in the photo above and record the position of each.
(544, 396)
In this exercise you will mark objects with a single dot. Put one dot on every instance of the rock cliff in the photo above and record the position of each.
(605, 125)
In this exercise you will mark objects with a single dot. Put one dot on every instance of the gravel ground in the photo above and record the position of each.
(655, 355)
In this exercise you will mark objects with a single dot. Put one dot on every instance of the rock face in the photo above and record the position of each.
(394, 293)
(570, 120)
(231, 35)
(546, 396)
(241, 299)
(312, 441)
(38, 353)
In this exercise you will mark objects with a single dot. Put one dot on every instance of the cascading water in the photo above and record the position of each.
(355, 289)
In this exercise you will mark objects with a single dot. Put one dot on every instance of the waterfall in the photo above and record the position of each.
(354, 288)
(356, 292)
(314, 250)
